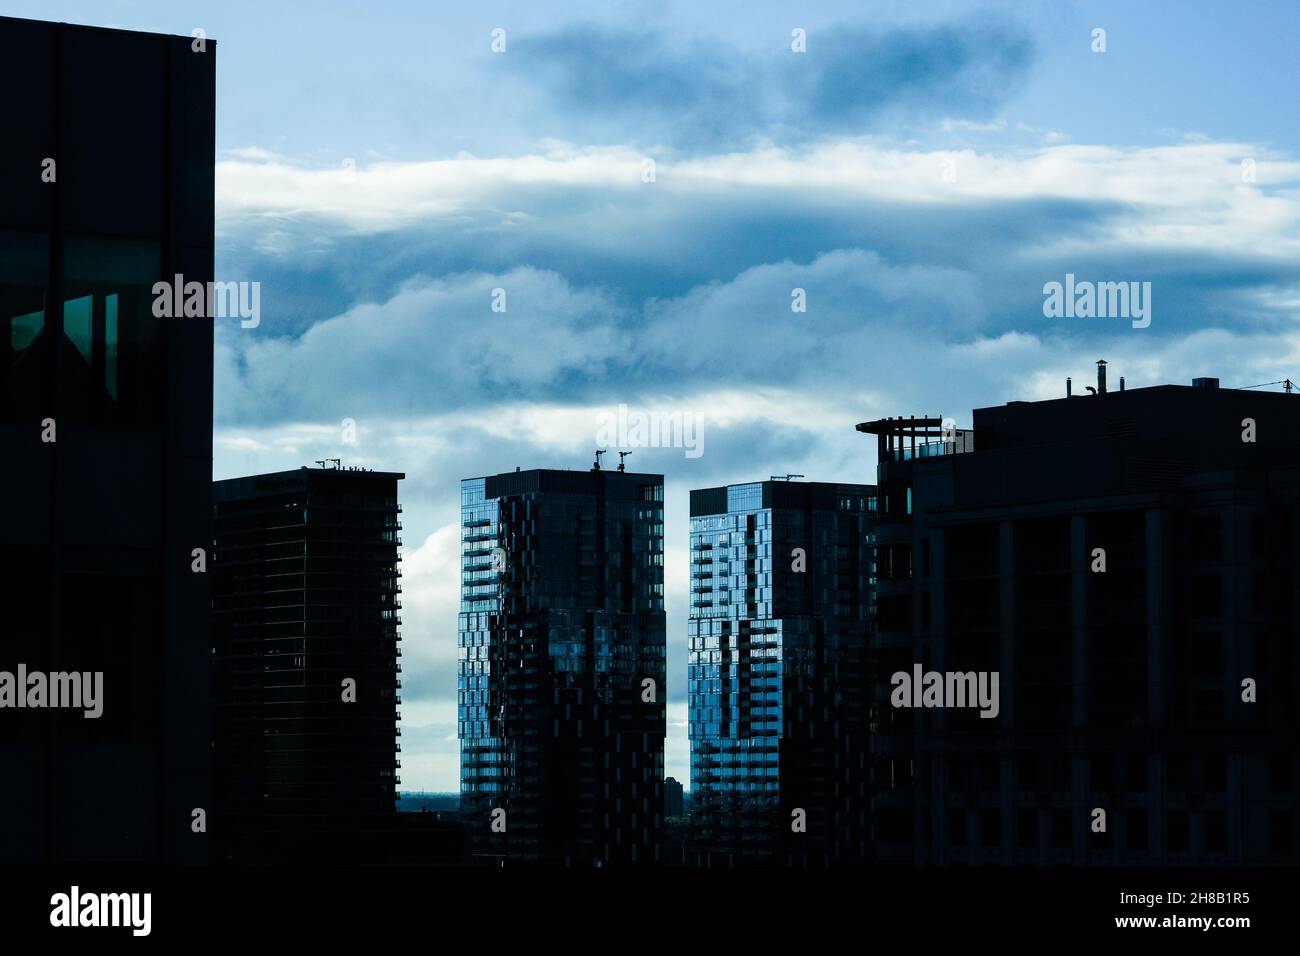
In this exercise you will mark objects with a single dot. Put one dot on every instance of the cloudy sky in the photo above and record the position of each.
(920, 171)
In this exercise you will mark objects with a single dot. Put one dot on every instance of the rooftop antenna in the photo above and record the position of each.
(621, 456)
(599, 452)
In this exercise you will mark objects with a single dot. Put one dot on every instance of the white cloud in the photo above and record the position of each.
(1188, 196)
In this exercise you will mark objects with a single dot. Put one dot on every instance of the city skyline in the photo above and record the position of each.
(924, 281)
(921, 316)
(649, 469)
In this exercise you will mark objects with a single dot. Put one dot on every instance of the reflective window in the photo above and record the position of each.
(25, 368)
(112, 342)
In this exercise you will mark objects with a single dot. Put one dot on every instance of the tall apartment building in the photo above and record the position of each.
(305, 605)
(562, 666)
(777, 681)
(1127, 562)
(106, 174)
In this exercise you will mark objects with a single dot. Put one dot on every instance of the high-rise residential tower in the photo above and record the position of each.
(562, 666)
(777, 681)
(1127, 564)
(106, 188)
(305, 605)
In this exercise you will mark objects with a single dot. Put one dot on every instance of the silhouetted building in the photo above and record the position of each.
(1123, 561)
(777, 687)
(305, 602)
(674, 805)
(106, 176)
(562, 667)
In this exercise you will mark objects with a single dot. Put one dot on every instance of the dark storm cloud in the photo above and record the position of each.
(649, 86)
(945, 71)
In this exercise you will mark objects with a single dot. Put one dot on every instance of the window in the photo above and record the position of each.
(1216, 831)
(1027, 828)
(1176, 830)
(990, 827)
(957, 827)
(1027, 772)
(1137, 773)
(1137, 830)
(112, 342)
(989, 776)
(1100, 767)
(1216, 773)
(1281, 833)
(1061, 837)
(25, 364)
(1279, 773)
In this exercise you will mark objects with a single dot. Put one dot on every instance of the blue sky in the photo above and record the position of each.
(920, 172)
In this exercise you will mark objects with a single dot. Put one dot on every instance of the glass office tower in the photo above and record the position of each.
(106, 175)
(562, 666)
(781, 592)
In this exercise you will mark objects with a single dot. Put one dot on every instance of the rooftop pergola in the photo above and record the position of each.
(893, 434)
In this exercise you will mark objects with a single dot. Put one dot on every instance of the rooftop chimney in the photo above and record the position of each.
(1069, 387)
(1101, 376)
(1205, 383)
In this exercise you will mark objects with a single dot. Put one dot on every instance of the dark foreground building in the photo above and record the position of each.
(777, 681)
(106, 179)
(304, 628)
(562, 666)
(674, 798)
(1126, 561)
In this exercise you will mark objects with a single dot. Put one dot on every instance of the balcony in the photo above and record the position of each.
(897, 438)
(962, 443)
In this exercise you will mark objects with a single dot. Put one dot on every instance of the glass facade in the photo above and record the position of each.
(781, 589)
(562, 666)
(26, 369)
(111, 341)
